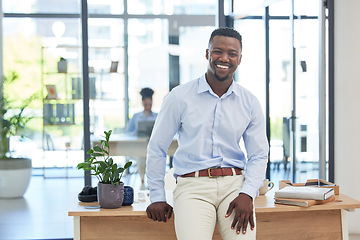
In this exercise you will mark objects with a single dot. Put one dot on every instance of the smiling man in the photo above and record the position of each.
(210, 114)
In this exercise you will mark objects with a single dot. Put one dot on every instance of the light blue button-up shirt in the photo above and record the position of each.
(209, 131)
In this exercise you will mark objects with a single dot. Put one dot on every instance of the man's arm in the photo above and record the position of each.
(257, 149)
(166, 125)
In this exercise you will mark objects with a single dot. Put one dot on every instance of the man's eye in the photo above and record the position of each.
(216, 52)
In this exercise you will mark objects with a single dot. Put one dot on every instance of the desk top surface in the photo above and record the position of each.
(263, 203)
(122, 137)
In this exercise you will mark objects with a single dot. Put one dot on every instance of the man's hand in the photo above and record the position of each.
(159, 211)
(243, 207)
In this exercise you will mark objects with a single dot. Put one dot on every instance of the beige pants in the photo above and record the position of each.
(202, 202)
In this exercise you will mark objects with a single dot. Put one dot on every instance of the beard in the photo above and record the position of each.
(221, 79)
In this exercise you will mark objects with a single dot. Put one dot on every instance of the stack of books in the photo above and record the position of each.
(304, 196)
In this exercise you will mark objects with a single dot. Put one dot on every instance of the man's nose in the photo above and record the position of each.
(224, 57)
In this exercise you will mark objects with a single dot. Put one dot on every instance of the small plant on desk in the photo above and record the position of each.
(108, 173)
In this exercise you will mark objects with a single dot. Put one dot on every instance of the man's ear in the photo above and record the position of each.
(240, 59)
(207, 54)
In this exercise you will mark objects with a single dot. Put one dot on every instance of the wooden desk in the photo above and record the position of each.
(128, 145)
(327, 221)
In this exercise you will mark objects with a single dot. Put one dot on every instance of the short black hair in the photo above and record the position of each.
(146, 93)
(227, 32)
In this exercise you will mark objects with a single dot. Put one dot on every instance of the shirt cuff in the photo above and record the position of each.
(249, 191)
(157, 195)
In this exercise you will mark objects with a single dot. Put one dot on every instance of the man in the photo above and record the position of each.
(210, 114)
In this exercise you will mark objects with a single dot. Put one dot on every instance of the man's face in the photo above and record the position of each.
(224, 55)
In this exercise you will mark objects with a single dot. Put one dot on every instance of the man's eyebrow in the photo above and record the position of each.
(231, 50)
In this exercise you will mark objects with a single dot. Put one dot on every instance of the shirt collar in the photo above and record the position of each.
(204, 86)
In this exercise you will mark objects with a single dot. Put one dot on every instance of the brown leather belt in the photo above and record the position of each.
(215, 172)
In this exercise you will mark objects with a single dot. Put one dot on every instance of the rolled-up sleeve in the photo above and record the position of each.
(166, 125)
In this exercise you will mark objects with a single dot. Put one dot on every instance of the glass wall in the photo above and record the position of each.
(107, 74)
(32, 48)
(251, 71)
(293, 82)
(128, 49)
(148, 61)
(191, 51)
(157, 44)
(188, 7)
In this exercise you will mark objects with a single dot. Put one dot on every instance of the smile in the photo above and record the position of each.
(222, 66)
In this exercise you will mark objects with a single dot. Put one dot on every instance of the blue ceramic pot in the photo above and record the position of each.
(128, 196)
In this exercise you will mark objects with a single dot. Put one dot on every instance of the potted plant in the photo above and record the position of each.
(12, 119)
(110, 189)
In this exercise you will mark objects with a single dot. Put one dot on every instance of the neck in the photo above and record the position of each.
(147, 113)
(218, 87)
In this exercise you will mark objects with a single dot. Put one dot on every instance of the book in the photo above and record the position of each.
(303, 202)
(305, 192)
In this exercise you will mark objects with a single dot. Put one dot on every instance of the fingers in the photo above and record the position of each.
(230, 209)
(159, 212)
(243, 222)
(242, 207)
(169, 213)
(235, 220)
(252, 223)
(160, 216)
(149, 214)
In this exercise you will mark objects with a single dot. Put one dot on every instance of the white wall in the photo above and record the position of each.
(347, 102)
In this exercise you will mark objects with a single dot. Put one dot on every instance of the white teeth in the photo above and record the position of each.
(222, 66)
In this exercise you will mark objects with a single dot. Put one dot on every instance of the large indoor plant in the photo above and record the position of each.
(110, 188)
(15, 173)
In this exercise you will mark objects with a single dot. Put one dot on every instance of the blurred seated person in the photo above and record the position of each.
(146, 115)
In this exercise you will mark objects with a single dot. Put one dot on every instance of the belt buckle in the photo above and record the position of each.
(209, 172)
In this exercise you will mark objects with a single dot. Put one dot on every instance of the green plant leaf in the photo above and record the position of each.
(106, 177)
(81, 165)
(97, 149)
(110, 161)
(127, 165)
(113, 168)
(103, 164)
(118, 171)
